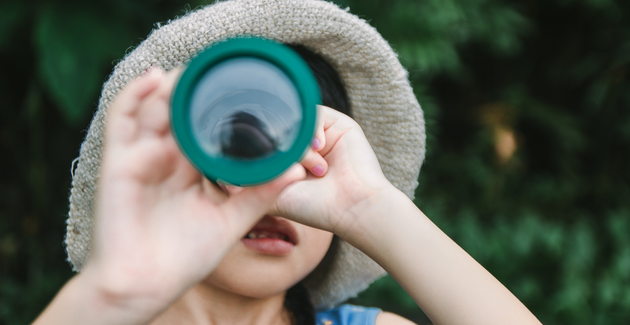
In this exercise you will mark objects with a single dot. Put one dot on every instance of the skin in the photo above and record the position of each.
(167, 243)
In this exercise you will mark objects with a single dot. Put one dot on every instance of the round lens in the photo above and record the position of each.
(245, 108)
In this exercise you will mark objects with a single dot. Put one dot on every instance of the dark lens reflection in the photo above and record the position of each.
(245, 137)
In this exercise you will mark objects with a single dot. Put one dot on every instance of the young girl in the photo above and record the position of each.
(156, 243)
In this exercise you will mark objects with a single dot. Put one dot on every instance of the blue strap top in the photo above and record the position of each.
(348, 315)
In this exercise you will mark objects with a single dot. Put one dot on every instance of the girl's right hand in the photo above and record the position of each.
(160, 226)
(350, 182)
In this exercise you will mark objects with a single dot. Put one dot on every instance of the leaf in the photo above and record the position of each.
(72, 47)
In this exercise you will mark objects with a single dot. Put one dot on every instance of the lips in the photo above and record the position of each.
(271, 236)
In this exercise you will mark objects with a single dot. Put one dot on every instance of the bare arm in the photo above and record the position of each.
(78, 303)
(355, 201)
(446, 282)
(386, 318)
(155, 216)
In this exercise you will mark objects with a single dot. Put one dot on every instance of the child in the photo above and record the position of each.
(166, 246)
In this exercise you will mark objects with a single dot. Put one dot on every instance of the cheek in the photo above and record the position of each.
(318, 243)
(255, 275)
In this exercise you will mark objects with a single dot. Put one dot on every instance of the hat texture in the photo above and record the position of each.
(381, 100)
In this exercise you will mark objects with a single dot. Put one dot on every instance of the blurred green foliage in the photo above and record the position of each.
(528, 135)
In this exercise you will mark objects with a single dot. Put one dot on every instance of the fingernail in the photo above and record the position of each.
(315, 144)
(318, 170)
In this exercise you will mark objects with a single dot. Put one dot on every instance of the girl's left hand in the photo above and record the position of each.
(350, 177)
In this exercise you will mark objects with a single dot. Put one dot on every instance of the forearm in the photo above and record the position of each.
(82, 302)
(446, 282)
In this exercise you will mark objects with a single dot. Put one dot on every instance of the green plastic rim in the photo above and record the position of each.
(240, 172)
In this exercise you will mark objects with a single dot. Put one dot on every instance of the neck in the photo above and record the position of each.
(205, 304)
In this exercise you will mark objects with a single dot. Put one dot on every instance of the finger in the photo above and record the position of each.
(168, 83)
(330, 116)
(121, 124)
(153, 115)
(246, 207)
(315, 163)
(335, 126)
(289, 200)
(180, 171)
(319, 141)
(128, 99)
(233, 189)
(333, 135)
(213, 191)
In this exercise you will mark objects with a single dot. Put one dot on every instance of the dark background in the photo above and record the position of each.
(526, 103)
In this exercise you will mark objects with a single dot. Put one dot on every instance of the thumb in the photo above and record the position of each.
(250, 204)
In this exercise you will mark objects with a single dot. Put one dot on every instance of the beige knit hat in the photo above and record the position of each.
(381, 99)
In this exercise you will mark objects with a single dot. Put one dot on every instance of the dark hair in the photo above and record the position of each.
(331, 87)
(298, 302)
(333, 93)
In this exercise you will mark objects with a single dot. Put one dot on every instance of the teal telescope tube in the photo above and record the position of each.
(245, 110)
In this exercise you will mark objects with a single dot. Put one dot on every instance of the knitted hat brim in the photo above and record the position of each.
(380, 95)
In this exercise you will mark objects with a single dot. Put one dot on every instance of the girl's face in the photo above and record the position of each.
(275, 255)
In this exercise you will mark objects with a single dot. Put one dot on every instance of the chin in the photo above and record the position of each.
(259, 268)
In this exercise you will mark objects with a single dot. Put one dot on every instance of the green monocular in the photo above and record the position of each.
(244, 110)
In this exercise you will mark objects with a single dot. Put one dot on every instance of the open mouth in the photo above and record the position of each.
(259, 233)
(271, 236)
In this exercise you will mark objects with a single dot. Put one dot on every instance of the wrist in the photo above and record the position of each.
(121, 298)
(81, 302)
(367, 218)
